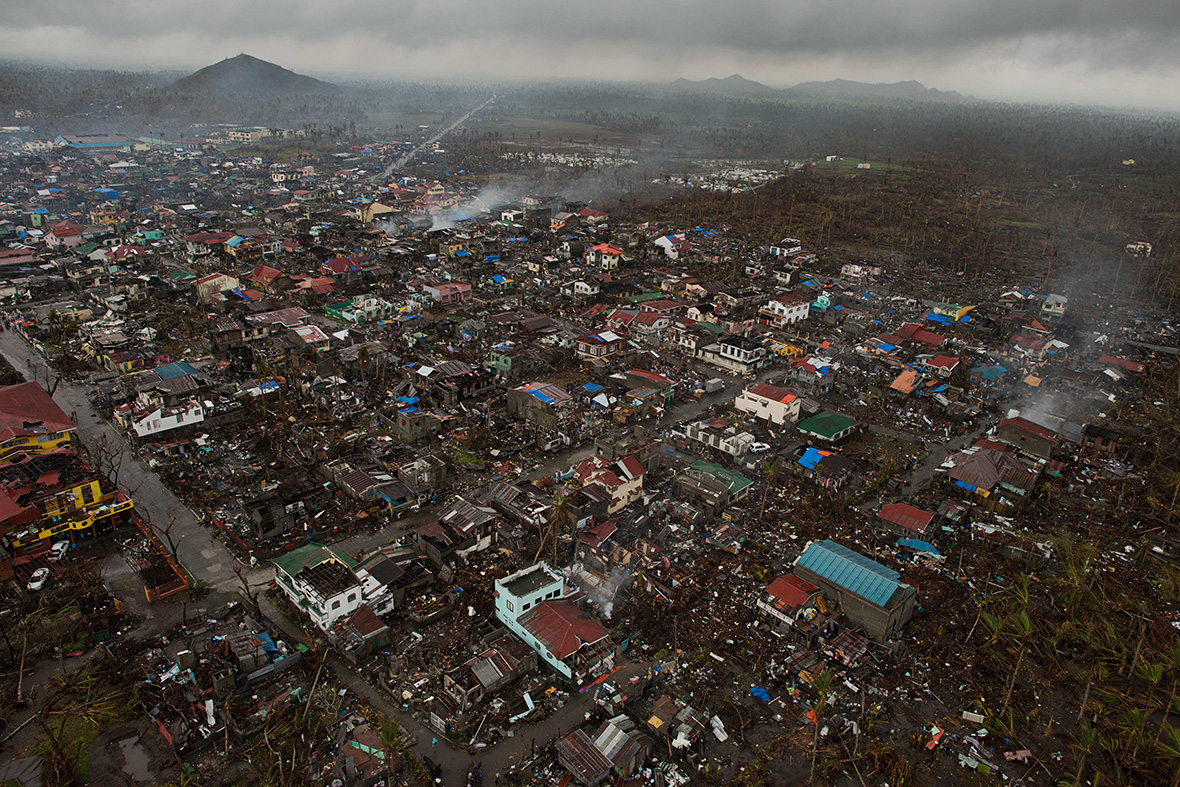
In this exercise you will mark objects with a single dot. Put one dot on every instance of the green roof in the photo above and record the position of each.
(733, 479)
(86, 249)
(644, 297)
(182, 275)
(827, 424)
(310, 555)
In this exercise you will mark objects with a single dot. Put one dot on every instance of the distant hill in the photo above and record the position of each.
(735, 85)
(896, 91)
(246, 75)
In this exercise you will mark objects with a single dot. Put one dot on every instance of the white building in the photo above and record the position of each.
(726, 438)
(785, 309)
(320, 582)
(165, 419)
(787, 247)
(770, 403)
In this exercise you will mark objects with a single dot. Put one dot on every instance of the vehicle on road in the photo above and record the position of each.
(38, 579)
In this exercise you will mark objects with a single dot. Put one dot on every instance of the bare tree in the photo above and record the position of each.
(106, 456)
(249, 589)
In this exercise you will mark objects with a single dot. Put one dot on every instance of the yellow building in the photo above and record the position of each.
(43, 496)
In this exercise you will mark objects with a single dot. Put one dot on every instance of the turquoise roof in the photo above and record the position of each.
(852, 571)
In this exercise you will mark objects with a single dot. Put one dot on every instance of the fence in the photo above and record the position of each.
(168, 589)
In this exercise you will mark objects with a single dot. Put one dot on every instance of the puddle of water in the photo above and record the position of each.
(135, 760)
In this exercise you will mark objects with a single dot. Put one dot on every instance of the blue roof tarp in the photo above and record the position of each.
(921, 546)
(811, 457)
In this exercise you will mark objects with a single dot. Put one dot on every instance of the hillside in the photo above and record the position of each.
(896, 91)
(246, 75)
(735, 85)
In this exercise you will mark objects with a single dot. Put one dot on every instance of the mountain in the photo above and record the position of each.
(896, 91)
(735, 85)
(246, 75)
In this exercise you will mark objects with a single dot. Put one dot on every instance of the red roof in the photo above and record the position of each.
(790, 591)
(652, 377)
(1030, 427)
(632, 465)
(595, 536)
(562, 627)
(916, 332)
(365, 621)
(606, 248)
(340, 265)
(1122, 363)
(264, 274)
(25, 407)
(907, 516)
(943, 362)
(773, 392)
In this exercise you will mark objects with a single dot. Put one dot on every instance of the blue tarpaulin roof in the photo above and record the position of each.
(592, 387)
(852, 571)
(921, 546)
(811, 457)
(938, 318)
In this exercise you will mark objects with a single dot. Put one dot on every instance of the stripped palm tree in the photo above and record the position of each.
(773, 471)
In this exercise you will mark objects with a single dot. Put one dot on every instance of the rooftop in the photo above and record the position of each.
(529, 580)
(853, 572)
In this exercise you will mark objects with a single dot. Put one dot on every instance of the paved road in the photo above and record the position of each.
(202, 555)
(406, 159)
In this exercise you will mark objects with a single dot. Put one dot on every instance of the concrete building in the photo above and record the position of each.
(531, 603)
(320, 582)
(544, 405)
(869, 594)
(769, 402)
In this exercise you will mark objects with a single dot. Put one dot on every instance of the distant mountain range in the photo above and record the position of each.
(246, 75)
(737, 85)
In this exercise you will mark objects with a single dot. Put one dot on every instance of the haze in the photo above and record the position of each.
(1071, 51)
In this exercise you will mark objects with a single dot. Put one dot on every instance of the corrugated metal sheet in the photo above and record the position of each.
(852, 571)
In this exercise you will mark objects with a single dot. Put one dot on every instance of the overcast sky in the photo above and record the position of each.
(1117, 52)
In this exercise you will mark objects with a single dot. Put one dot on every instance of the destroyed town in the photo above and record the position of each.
(559, 434)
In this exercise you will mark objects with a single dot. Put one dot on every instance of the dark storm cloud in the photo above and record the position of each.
(1082, 51)
(1138, 28)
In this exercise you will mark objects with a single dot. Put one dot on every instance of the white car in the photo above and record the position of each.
(759, 448)
(39, 578)
(58, 550)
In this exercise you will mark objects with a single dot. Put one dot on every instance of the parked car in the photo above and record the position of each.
(58, 550)
(759, 448)
(38, 579)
